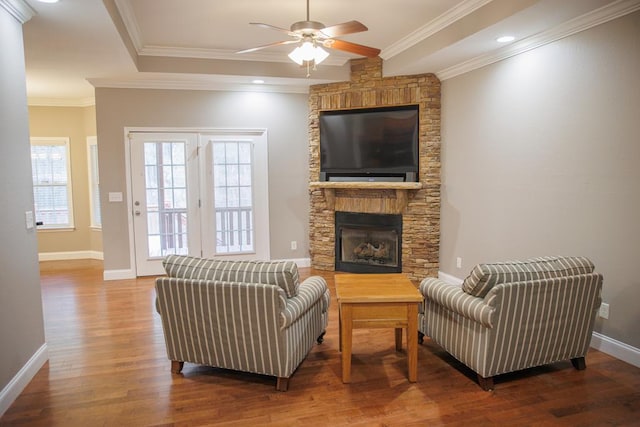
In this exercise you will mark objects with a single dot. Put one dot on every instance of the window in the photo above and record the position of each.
(51, 171)
(232, 171)
(94, 182)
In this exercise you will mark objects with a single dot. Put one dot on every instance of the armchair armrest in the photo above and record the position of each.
(453, 298)
(309, 292)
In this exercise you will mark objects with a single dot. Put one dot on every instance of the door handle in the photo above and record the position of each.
(137, 213)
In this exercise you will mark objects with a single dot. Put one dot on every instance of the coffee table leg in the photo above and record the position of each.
(412, 343)
(340, 327)
(346, 330)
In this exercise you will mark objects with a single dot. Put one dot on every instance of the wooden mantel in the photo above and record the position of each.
(401, 188)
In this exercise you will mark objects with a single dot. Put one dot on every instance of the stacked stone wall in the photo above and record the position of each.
(421, 216)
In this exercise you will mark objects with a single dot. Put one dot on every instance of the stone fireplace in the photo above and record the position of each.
(416, 203)
(368, 243)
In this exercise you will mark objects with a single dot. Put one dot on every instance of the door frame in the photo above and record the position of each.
(256, 132)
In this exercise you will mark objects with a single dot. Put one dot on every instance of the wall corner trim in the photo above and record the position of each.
(19, 9)
(13, 389)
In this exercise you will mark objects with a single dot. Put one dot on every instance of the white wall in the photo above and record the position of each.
(540, 157)
(21, 318)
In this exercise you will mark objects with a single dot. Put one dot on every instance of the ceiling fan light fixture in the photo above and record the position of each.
(310, 35)
(296, 56)
(307, 52)
(320, 55)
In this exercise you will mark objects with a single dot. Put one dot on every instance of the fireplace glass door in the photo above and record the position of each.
(367, 246)
(368, 243)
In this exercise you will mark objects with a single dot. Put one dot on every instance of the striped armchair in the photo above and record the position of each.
(242, 315)
(514, 315)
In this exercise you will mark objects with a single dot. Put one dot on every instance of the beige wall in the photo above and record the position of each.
(540, 157)
(21, 318)
(75, 123)
(285, 117)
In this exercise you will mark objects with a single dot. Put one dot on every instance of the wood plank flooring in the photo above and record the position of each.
(108, 367)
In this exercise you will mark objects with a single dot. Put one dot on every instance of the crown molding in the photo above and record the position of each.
(589, 20)
(199, 53)
(130, 23)
(19, 9)
(432, 27)
(196, 85)
(61, 102)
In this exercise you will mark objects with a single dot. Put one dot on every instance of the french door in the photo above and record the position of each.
(200, 194)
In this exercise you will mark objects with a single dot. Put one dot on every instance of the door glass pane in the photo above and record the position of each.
(166, 192)
(233, 195)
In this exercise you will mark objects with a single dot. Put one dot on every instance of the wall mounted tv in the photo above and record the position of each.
(370, 144)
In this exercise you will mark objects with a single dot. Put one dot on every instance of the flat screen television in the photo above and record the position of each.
(369, 144)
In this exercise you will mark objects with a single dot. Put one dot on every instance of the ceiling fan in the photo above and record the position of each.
(311, 36)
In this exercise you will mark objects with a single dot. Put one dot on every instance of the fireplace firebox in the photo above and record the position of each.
(368, 243)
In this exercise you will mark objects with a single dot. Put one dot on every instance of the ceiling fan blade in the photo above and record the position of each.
(273, 27)
(358, 49)
(343, 29)
(253, 49)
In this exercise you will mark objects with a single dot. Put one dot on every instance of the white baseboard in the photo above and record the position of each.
(300, 262)
(62, 256)
(617, 349)
(119, 274)
(12, 390)
(449, 278)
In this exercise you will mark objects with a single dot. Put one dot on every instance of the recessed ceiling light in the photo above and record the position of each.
(257, 81)
(505, 39)
(48, 1)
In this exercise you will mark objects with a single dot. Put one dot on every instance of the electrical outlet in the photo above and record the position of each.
(459, 262)
(604, 310)
(294, 245)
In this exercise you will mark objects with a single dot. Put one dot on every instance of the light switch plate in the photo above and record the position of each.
(115, 196)
(28, 219)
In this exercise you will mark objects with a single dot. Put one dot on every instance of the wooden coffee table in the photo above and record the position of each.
(378, 301)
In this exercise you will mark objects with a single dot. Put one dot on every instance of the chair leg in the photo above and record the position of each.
(282, 384)
(579, 363)
(420, 337)
(485, 383)
(176, 366)
(321, 337)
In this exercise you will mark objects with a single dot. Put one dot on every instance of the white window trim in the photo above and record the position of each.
(92, 141)
(60, 141)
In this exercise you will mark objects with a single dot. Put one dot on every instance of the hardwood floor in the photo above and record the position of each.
(108, 367)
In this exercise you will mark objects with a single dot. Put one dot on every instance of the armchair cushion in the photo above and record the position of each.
(283, 274)
(309, 292)
(453, 298)
(484, 277)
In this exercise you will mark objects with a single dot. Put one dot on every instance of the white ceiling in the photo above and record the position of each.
(74, 45)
